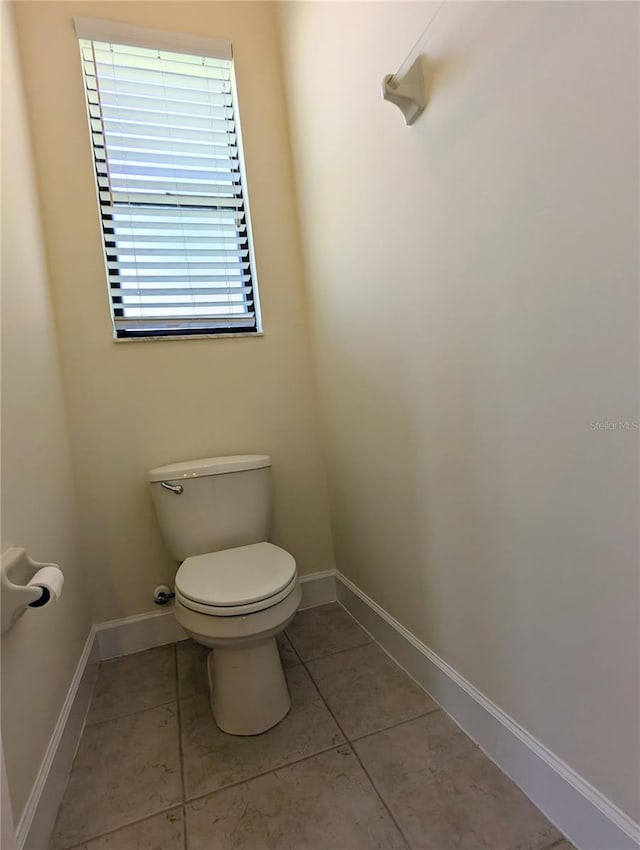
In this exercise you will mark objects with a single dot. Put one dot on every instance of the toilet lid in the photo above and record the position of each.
(236, 576)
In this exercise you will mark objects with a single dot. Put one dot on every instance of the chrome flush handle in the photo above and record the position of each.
(178, 489)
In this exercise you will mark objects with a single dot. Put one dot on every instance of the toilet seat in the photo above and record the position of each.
(236, 581)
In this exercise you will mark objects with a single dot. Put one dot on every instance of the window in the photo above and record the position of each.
(170, 181)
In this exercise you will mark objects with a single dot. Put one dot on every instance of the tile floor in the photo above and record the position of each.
(365, 760)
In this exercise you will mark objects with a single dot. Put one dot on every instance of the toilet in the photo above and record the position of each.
(234, 591)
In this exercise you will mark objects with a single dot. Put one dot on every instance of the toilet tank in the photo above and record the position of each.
(224, 502)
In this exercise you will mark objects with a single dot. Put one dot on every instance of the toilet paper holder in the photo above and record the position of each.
(15, 598)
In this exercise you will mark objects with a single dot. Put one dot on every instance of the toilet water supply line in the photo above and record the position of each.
(406, 88)
(163, 594)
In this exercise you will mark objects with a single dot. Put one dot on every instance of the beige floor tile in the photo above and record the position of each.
(133, 683)
(192, 668)
(125, 770)
(162, 832)
(446, 795)
(366, 691)
(323, 803)
(324, 630)
(213, 759)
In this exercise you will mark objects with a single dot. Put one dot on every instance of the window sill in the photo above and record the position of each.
(253, 334)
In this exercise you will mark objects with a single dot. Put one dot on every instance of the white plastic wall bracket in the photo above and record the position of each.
(16, 597)
(409, 93)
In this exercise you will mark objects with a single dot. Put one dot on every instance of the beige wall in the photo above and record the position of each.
(38, 510)
(136, 405)
(474, 302)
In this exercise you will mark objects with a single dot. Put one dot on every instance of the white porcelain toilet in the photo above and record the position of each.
(234, 591)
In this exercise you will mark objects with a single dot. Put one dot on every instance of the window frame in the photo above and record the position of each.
(95, 30)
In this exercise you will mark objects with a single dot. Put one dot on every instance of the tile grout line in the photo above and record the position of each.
(382, 799)
(335, 652)
(358, 759)
(395, 725)
(180, 753)
(261, 774)
(86, 841)
(295, 651)
(130, 713)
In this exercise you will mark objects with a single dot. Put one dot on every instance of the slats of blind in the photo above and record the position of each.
(215, 293)
(158, 325)
(170, 190)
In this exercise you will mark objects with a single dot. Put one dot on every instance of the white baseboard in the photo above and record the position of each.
(7, 829)
(142, 631)
(38, 817)
(318, 589)
(577, 809)
(155, 628)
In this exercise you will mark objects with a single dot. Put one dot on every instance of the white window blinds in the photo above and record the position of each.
(170, 188)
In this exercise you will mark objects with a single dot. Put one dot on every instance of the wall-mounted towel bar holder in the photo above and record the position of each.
(409, 93)
(407, 88)
(25, 583)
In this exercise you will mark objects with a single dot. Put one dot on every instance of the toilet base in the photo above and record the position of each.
(247, 688)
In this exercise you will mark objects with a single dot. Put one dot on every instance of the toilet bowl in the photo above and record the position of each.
(237, 602)
(234, 590)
